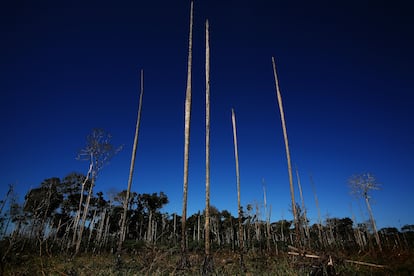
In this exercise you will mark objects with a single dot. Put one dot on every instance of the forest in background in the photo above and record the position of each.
(48, 224)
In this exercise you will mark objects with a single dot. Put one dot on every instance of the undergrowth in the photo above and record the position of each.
(162, 261)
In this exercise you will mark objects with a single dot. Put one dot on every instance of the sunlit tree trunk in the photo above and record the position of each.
(282, 118)
(267, 214)
(374, 225)
(305, 219)
(78, 213)
(101, 226)
(239, 210)
(187, 139)
(131, 169)
(208, 261)
(91, 227)
(149, 230)
(106, 232)
(84, 216)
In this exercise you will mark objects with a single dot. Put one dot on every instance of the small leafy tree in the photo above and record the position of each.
(41, 203)
(152, 203)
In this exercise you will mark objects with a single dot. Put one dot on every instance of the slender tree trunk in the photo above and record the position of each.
(239, 210)
(101, 226)
(319, 211)
(106, 232)
(207, 212)
(78, 213)
(175, 228)
(84, 216)
(374, 226)
(282, 118)
(305, 219)
(208, 261)
(198, 226)
(131, 168)
(187, 138)
(149, 230)
(267, 214)
(91, 227)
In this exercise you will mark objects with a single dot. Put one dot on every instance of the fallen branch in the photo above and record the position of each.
(305, 255)
(319, 257)
(301, 253)
(364, 263)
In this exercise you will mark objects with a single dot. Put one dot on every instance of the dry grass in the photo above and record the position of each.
(155, 261)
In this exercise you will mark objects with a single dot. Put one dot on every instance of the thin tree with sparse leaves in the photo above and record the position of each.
(361, 185)
(98, 151)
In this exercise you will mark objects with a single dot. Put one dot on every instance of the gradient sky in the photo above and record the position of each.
(345, 72)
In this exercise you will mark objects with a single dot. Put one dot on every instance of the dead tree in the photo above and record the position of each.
(361, 186)
(239, 210)
(208, 261)
(98, 151)
(282, 119)
(131, 169)
(184, 262)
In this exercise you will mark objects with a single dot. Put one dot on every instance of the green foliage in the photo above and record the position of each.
(43, 201)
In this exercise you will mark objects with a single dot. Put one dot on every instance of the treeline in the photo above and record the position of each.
(48, 221)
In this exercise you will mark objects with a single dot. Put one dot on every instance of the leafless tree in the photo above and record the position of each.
(98, 151)
(239, 208)
(208, 261)
(131, 169)
(282, 119)
(361, 186)
(187, 140)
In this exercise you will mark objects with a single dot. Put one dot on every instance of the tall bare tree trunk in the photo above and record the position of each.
(282, 118)
(239, 210)
(207, 222)
(131, 168)
(187, 139)
(208, 261)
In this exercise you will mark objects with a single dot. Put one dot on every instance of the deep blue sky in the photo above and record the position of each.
(346, 77)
